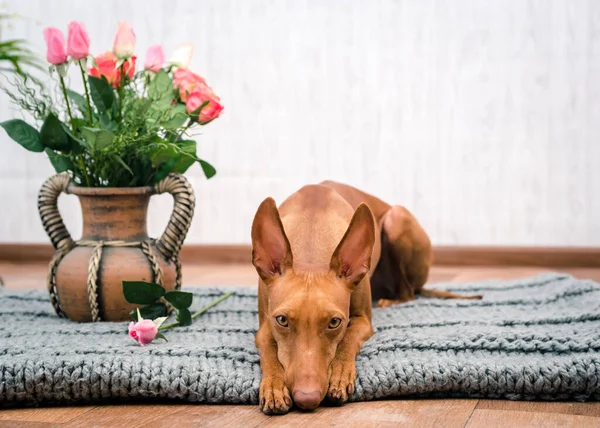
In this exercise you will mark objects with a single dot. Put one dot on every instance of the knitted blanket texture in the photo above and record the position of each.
(533, 338)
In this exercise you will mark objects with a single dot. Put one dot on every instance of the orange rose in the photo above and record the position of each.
(106, 65)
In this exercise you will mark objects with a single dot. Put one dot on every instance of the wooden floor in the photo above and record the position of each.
(410, 413)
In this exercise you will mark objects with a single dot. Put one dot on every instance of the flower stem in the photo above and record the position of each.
(64, 89)
(85, 174)
(186, 127)
(121, 89)
(87, 93)
(200, 312)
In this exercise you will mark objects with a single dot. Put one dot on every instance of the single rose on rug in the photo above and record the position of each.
(143, 331)
(158, 303)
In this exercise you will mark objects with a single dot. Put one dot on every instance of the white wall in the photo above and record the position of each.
(482, 117)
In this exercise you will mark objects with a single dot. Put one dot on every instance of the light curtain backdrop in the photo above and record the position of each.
(481, 117)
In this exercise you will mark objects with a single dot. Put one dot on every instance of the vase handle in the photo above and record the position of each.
(48, 209)
(172, 238)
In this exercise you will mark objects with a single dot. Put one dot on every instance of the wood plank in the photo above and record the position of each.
(44, 414)
(28, 424)
(122, 416)
(20, 276)
(518, 256)
(212, 415)
(567, 408)
(424, 413)
(487, 418)
(443, 255)
(385, 413)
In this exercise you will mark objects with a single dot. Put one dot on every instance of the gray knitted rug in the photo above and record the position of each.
(537, 338)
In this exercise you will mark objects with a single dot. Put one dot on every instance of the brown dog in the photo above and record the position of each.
(322, 258)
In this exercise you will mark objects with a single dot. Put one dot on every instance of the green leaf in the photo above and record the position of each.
(178, 116)
(121, 162)
(155, 310)
(80, 101)
(186, 157)
(102, 94)
(97, 139)
(160, 336)
(160, 87)
(79, 122)
(184, 317)
(179, 299)
(164, 153)
(75, 143)
(142, 293)
(209, 170)
(24, 134)
(183, 164)
(61, 163)
(163, 171)
(174, 157)
(53, 135)
(108, 124)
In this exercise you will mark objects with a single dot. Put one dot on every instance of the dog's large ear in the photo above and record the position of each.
(271, 252)
(351, 259)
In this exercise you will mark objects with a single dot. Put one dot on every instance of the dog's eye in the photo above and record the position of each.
(282, 320)
(335, 323)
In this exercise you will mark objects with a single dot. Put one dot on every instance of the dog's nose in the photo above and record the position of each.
(307, 400)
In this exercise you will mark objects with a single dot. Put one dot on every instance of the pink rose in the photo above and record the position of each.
(106, 65)
(186, 81)
(55, 42)
(143, 331)
(204, 93)
(193, 102)
(182, 56)
(155, 58)
(124, 41)
(79, 41)
(211, 111)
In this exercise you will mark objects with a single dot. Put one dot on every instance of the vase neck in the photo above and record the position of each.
(114, 217)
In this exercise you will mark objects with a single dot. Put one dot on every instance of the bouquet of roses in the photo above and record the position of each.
(126, 127)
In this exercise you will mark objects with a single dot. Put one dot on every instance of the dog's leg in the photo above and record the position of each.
(342, 371)
(413, 254)
(275, 398)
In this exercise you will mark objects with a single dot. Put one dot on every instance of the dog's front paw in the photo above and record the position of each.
(341, 381)
(274, 396)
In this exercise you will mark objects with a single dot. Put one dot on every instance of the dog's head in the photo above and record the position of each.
(308, 310)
